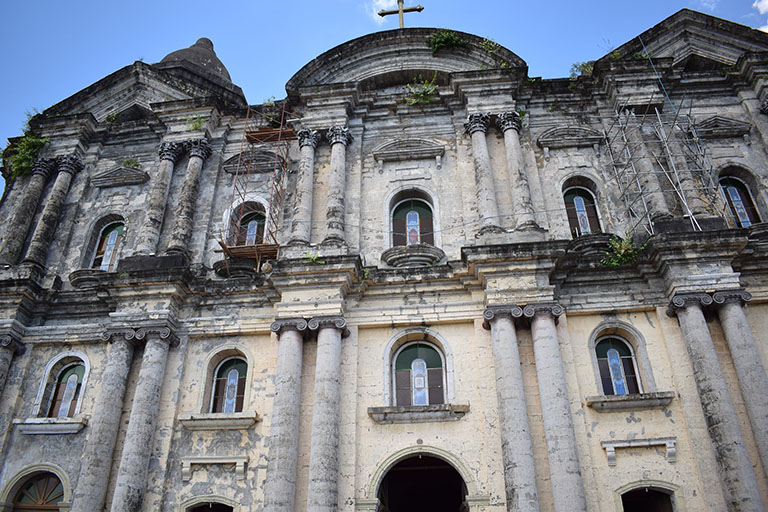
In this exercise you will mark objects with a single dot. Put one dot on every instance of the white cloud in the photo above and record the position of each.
(761, 5)
(376, 5)
(711, 5)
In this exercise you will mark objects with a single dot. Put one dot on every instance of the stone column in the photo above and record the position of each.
(282, 458)
(324, 445)
(149, 233)
(516, 446)
(42, 237)
(13, 241)
(646, 171)
(509, 123)
(565, 474)
(339, 137)
(753, 380)
(301, 226)
(9, 346)
(105, 423)
(477, 126)
(736, 474)
(692, 186)
(137, 449)
(199, 150)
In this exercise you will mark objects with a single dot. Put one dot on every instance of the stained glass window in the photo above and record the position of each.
(412, 223)
(229, 386)
(419, 375)
(41, 492)
(740, 204)
(108, 248)
(618, 369)
(251, 229)
(67, 391)
(582, 212)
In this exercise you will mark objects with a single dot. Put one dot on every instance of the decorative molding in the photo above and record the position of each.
(334, 322)
(687, 299)
(417, 413)
(188, 462)
(764, 107)
(477, 122)
(70, 164)
(126, 332)
(308, 138)
(509, 120)
(725, 296)
(409, 149)
(569, 137)
(44, 166)
(161, 331)
(492, 312)
(200, 148)
(543, 308)
(288, 324)
(171, 151)
(219, 421)
(339, 135)
(259, 161)
(668, 442)
(720, 127)
(10, 342)
(417, 255)
(638, 402)
(48, 426)
(119, 176)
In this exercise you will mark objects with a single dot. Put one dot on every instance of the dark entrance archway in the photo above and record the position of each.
(210, 507)
(647, 499)
(422, 483)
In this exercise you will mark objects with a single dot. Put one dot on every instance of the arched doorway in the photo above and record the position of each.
(40, 492)
(647, 499)
(422, 482)
(210, 507)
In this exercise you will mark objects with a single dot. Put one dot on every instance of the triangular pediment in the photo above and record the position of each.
(569, 137)
(119, 177)
(408, 149)
(717, 127)
(255, 162)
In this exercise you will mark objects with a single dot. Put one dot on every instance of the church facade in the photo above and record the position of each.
(422, 281)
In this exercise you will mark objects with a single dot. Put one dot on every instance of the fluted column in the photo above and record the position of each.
(753, 380)
(301, 226)
(282, 458)
(149, 233)
(516, 446)
(104, 424)
(324, 444)
(42, 237)
(17, 229)
(137, 449)
(9, 346)
(339, 137)
(510, 124)
(736, 474)
(646, 172)
(199, 150)
(477, 126)
(565, 474)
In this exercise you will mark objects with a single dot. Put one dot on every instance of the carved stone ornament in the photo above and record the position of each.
(724, 296)
(764, 107)
(200, 148)
(569, 137)
(118, 177)
(477, 122)
(288, 324)
(334, 322)
(308, 138)
(126, 333)
(720, 127)
(688, 299)
(404, 150)
(509, 120)
(11, 343)
(170, 151)
(339, 134)
(161, 332)
(543, 308)
(70, 164)
(491, 313)
(43, 166)
(258, 161)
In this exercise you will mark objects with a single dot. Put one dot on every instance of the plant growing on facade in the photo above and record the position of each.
(446, 39)
(113, 118)
(313, 259)
(490, 46)
(21, 153)
(581, 69)
(195, 122)
(422, 91)
(131, 163)
(621, 251)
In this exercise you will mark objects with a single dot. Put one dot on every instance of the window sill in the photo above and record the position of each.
(417, 413)
(219, 421)
(642, 401)
(36, 426)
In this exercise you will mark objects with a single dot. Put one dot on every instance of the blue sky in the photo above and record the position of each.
(52, 48)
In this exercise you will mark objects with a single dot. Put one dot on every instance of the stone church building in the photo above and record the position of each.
(422, 281)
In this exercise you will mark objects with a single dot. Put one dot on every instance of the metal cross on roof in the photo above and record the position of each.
(400, 10)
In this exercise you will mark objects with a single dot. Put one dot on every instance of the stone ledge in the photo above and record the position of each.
(614, 403)
(417, 413)
(188, 462)
(37, 426)
(421, 255)
(219, 421)
(669, 442)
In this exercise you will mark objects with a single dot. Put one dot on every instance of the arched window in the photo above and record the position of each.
(66, 394)
(419, 378)
(581, 207)
(108, 247)
(39, 493)
(617, 366)
(412, 223)
(739, 199)
(228, 386)
(248, 226)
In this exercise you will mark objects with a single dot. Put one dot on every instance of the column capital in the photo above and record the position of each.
(725, 296)
(125, 333)
(509, 120)
(339, 134)
(12, 343)
(288, 324)
(335, 322)
(198, 147)
(688, 299)
(764, 106)
(44, 166)
(552, 309)
(491, 313)
(161, 332)
(477, 122)
(308, 138)
(170, 151)
(70, 164)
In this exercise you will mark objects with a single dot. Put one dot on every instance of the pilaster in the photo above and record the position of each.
(10, 345)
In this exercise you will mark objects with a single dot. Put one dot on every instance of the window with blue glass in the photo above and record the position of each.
(108, 247)
(229, 386)
(740, 204)
(581, 208)
(412, 223)
(419, 375)
(618, 368)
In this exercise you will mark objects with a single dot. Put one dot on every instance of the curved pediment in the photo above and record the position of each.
(398, 51)
(409, 149)
(256, 162)
(569, 137)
